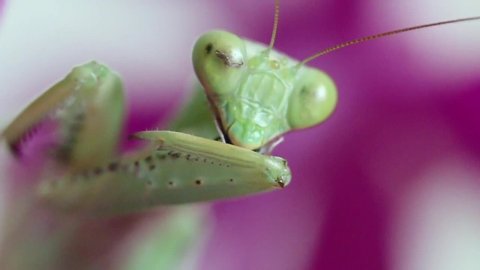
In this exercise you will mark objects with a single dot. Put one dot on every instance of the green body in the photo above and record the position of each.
(255, 94)
(173, 168)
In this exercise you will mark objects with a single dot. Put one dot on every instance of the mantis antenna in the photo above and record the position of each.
(275, 25)
(381, 35)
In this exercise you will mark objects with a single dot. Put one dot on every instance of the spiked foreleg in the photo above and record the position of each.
(174, 168)
(88, 105)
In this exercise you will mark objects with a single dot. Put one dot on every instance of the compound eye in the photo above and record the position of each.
(219, 60)
(313, 100)
(230, 58)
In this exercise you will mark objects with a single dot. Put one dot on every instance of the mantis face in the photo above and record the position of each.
(258, 94)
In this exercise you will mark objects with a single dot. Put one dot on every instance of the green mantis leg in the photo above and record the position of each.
(173, 168)
(88, 104)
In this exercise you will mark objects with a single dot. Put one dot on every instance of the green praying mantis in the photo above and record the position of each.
(221, 143)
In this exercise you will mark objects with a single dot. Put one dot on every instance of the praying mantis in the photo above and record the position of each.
(253, 96)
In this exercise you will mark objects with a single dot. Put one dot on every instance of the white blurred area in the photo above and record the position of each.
(437, 225)
(450, 50)
(148, 42)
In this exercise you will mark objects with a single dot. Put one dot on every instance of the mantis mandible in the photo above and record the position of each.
(254, 95)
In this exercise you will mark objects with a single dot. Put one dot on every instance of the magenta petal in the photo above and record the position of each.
(2, 5)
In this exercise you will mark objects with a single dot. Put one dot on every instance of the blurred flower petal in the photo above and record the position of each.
(437, 224)
(405, 104)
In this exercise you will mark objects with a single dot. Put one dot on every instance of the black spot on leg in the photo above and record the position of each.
(113, 166)
(148, 159)
(98, 171)
(174, 155)
(160, 156)
(209, 48)
(280, 182)
(151, 167)
(198, 182)
(231, 180)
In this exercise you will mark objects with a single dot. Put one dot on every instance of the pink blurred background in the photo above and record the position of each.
(391, 181)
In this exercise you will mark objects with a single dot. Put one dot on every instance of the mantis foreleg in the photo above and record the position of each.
(172, 168)
(88, 104)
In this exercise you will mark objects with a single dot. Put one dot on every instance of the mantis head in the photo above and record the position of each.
(258, 94)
